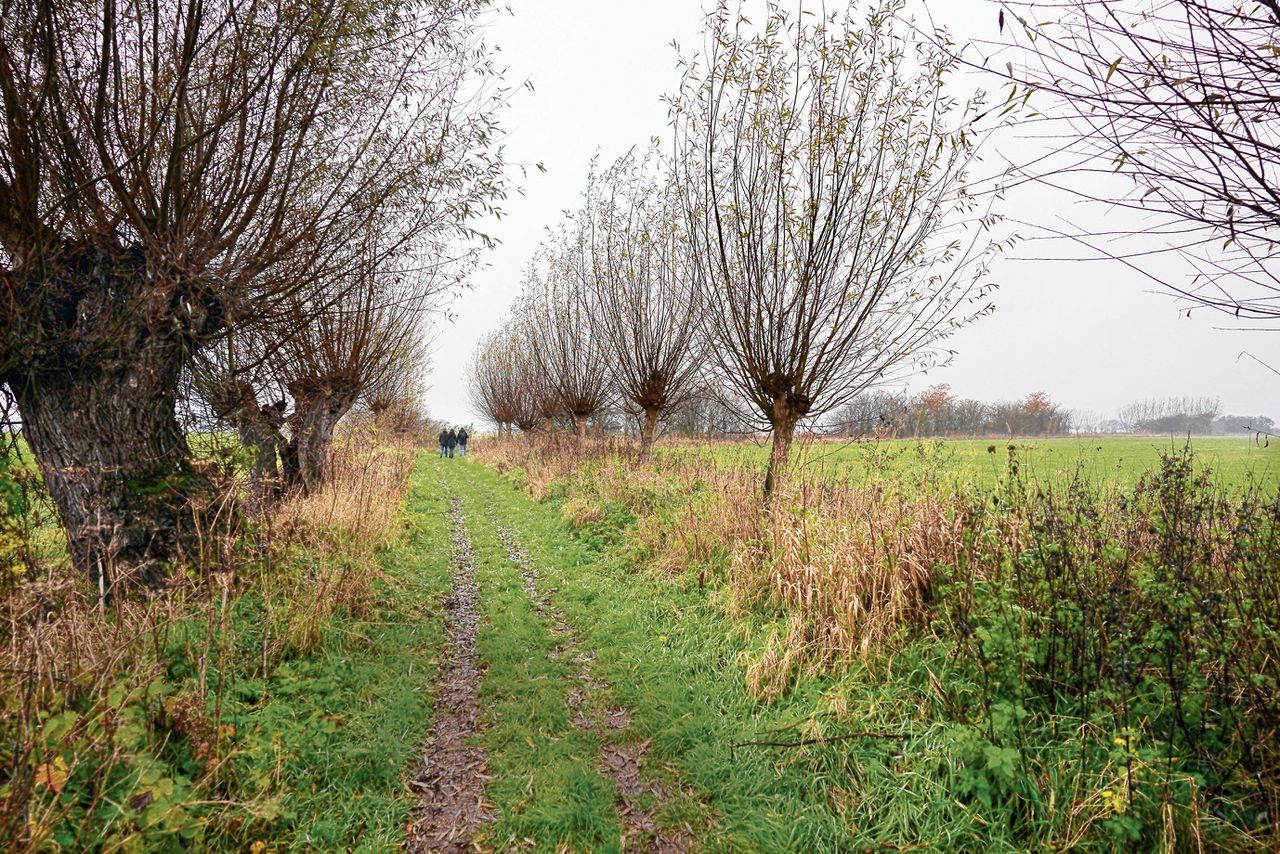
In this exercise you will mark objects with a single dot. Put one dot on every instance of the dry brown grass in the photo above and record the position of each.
(853, 562)
(846, 565)
(332, 536)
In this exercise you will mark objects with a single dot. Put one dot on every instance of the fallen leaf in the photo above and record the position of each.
(52, 775)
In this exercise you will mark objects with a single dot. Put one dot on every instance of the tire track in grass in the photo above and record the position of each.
(451, 775)
(620, 762)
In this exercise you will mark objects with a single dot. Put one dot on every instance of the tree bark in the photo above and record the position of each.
(648, 432)
(264, 442)
(783, 435)
(315, 417)
(580, 428)
(116, 461)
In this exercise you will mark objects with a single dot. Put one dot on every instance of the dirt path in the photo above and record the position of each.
(620, 762)
(452, 775)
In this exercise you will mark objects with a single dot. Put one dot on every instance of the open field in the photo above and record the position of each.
(985, 463)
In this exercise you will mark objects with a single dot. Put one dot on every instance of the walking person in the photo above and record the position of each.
(444, 442)
(450, 442)
(462, 441)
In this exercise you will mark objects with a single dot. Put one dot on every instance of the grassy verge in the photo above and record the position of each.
(327, 741)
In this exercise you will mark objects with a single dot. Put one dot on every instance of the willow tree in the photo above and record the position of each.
(824, 170)
(160, 163)
(492, 380)
(535, 399)
(232, 377)
(555, 318)
(643, 308)
(368, 337)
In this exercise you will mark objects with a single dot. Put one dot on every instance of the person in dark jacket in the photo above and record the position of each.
(450, 441)
(462, 441)
(444, 442)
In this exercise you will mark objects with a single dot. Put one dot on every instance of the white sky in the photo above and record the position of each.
(1094, 335)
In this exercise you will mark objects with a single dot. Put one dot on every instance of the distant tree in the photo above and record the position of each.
(1183, 98)
(556, 319)
(538, 403)
(233, 378)
(932, 410)
(970, 417)
(1243, 425)
(877, 413)
(1170, 415)
(644, 310)
(704, 414)
(492, 377)
(1086, 421)
(823, 166)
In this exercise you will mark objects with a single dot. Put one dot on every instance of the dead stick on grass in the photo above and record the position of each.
(818, 740)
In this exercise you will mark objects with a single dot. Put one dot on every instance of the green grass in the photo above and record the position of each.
(674, 659)
(339, 729)
(325, 742)
(983, 463)
(972, 761)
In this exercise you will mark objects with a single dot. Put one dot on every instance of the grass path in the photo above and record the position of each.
(451, 806)
(621, 760)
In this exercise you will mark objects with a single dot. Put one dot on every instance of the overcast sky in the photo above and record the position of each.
(1094, 335)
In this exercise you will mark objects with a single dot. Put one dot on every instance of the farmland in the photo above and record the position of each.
(1118, 461)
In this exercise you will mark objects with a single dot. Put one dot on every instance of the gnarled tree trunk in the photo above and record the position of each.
(579, 428)
(261, 436)
(116, 462)
(259, 430)
(95, 378)
(317, 411)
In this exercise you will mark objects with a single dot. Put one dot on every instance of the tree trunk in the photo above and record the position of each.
(314, 420)
(115, 460)
(783, 434)
(648, 432)
(263, 442)
(235, 402)
(580, 428)
(290, 467)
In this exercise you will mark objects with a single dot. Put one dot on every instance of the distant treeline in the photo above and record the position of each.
(937, 412)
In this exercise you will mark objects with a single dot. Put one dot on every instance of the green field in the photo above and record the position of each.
(984, 463)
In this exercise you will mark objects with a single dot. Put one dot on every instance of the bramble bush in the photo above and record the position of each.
(1145, 628)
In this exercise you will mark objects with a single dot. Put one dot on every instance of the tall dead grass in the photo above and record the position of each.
(845, 565)
(848, 565)
(331, 537)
